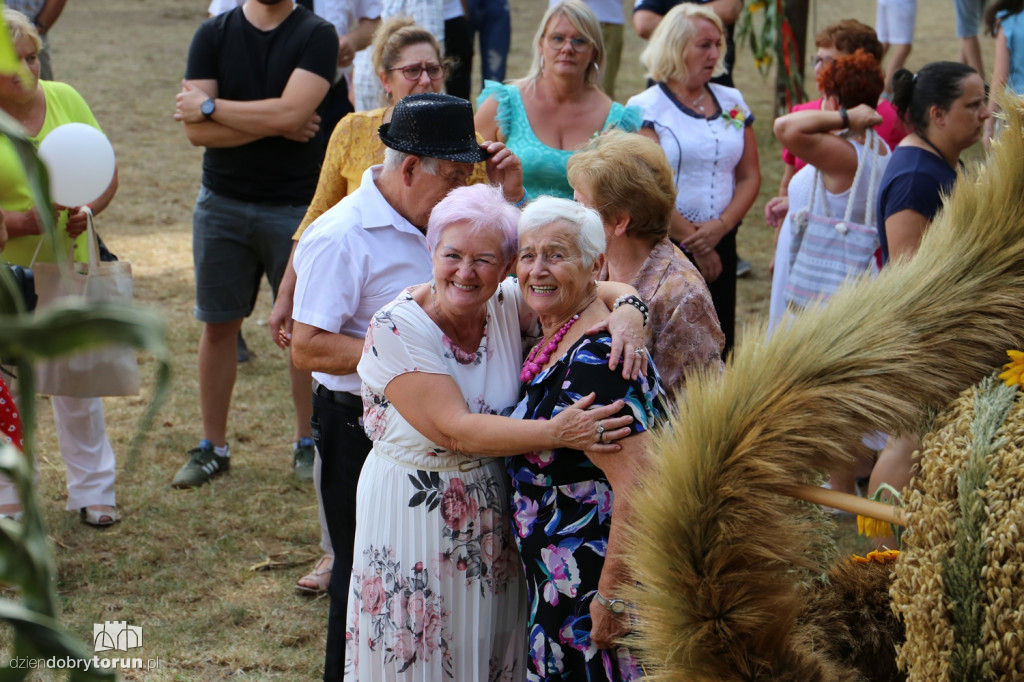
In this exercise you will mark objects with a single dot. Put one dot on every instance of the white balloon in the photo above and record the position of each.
(80, 161)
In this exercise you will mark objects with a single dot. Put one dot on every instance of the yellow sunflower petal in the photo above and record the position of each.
(1013, 374)
(872, 528)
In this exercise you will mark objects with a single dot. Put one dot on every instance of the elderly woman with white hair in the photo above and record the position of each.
(436, 588)
(569, 504)
(707, 133)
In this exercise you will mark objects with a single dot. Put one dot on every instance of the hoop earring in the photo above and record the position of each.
(596, 67)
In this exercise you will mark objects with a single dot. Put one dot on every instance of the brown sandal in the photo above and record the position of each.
(316, 583)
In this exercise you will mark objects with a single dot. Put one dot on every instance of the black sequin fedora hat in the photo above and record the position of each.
(435, 125)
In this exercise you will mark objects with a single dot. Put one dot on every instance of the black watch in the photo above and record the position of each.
(208, 107)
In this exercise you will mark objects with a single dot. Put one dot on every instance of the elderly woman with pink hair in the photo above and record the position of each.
(436, 588)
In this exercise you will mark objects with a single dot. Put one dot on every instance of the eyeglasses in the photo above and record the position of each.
(557, 41)
(817, 61)
(414, 71)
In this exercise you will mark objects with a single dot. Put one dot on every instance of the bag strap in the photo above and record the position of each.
(869, 158)
(93, 245)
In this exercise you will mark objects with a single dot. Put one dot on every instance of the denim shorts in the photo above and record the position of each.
(233, 244)
(968, 17)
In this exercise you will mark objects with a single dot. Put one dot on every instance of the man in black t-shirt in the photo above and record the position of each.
(254, 80)
(647, 14)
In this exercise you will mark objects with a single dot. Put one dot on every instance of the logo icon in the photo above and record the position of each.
(116, 635)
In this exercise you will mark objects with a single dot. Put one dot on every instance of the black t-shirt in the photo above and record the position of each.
(662, 7)
(250, 64)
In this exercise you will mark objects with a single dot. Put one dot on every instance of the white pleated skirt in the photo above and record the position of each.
(437, 591)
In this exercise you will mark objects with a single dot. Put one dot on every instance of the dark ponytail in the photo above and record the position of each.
(936, 84)
(1008, 6)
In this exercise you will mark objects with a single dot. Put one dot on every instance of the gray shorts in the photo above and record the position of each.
(968, 17)
(233, 244)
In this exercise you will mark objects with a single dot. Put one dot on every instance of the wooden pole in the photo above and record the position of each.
(796, 12)
(849, 503)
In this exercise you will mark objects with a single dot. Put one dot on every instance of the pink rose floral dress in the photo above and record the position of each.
(437, 590)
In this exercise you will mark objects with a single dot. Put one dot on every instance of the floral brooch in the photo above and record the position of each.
(735, 116)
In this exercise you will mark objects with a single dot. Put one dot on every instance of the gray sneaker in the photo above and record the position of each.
(202, 465)
(303, 458)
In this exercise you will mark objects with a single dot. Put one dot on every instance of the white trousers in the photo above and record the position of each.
(88, 456)
(325, 537)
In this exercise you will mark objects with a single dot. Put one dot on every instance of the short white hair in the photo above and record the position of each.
(585, 224)
(393, 161)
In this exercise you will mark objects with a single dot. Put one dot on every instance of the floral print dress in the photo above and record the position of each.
(562, 507)
(436, 591)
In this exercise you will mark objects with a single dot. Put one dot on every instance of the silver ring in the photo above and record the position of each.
(639, 351)
(600, 432)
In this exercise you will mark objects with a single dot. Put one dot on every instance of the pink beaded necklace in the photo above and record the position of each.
(535, 361)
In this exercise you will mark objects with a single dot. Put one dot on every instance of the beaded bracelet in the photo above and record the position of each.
(634, 301)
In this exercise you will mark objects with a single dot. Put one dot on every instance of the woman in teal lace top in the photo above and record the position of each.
(559, 106)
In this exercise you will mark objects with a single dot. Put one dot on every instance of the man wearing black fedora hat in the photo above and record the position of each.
(353, 260)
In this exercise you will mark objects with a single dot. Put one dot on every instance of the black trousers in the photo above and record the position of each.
(723, 289)
(458, 46)
(343, 447)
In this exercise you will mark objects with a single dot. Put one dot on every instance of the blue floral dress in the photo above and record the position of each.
(436, 589)
(562, 507)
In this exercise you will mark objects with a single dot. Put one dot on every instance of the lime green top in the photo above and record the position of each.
(63, 105)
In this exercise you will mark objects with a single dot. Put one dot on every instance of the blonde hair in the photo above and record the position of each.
(583, 20)
(629, 174)
(20, 27)
(393, 36)
(665, 56)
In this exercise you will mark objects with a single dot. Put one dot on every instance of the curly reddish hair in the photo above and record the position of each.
(848, 36)
(854, 79)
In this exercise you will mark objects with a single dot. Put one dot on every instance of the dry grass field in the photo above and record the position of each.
(180, 564)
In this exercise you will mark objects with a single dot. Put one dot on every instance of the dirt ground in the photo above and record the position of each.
(180, 563)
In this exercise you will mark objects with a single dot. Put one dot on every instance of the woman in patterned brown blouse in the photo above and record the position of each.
(627, 179)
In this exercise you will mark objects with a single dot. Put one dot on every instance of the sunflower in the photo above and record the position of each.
(880, 556)
(873, 528)
(1014, 374)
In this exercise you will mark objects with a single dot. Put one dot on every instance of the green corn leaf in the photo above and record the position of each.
(42, 637)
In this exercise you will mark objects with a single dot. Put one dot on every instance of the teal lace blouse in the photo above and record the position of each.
(543, 166)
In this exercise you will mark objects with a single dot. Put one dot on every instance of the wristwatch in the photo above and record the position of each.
(208, 107)
(616, 606)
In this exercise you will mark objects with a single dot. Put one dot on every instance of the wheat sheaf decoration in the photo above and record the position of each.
(958, 586)
(723, 562)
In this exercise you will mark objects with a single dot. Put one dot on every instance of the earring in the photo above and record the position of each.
(433, 289)
(542, 63)
(596, 67)
(501, 296)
